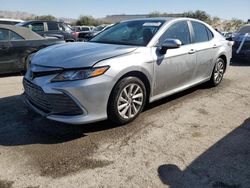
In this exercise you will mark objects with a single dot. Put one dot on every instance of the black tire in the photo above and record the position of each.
(220, 66)
(112, 110)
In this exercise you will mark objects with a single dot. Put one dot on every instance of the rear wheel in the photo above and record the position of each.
(218, 72)
(127, 100)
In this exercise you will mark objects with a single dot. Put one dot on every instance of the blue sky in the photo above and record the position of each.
(100, 8)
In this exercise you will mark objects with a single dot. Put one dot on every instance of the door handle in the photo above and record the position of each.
(215, 46)
(192, 51)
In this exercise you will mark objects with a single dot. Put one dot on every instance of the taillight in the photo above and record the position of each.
(75, 34)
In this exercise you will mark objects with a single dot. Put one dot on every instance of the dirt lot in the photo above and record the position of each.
(198, 138)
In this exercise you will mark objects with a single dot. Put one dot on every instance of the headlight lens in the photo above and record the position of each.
(79, 74)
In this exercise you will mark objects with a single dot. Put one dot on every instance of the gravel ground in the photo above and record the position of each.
(198, 138)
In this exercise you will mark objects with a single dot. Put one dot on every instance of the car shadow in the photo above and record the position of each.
(240, 63)
(10, 75)
(224, 165)
(18, 126)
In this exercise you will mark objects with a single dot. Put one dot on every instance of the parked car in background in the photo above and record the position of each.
(241, 47)
(51, 29)
(87, 35)
(81, 28)
(227, 34)
(10, 21)
(121, 69)
(17, 45)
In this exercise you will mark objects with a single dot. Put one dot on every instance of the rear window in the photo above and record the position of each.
(14, 36)
(36, 27)
(85, 29)
(52, 26)
(200, 32)
(210, 34)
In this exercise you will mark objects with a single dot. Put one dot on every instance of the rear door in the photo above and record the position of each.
(17, 50)
(6, 60)
(205, 47)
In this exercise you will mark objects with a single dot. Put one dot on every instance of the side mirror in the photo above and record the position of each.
(170, 44)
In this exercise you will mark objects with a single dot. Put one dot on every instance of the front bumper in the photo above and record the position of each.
(86, 99)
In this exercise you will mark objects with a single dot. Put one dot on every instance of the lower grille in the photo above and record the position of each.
(36, 96)
(57, 104)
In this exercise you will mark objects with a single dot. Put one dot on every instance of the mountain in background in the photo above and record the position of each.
(25, 15)
(121, 17)
(15, 15)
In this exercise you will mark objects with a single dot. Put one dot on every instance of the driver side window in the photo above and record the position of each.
(179, 30)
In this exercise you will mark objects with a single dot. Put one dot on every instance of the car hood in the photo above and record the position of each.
(78, 54)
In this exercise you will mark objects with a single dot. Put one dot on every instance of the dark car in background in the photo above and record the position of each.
(17, 45)
(51, 29)
(241, 47)
(87, 35)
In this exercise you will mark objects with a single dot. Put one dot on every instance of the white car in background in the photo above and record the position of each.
(8, 21)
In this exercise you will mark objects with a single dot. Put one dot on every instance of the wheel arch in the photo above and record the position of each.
(138, 74)
(224, 57)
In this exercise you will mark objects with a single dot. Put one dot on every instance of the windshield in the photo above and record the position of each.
(244, 30)
(137, 33)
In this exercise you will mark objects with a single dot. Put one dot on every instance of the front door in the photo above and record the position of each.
(174, 69)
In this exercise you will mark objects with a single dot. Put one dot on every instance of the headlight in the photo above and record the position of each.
(79, 74)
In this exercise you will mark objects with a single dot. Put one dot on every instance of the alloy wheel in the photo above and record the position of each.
(130, 101)
(219, 71)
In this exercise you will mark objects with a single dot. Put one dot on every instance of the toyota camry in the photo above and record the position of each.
(119, 71)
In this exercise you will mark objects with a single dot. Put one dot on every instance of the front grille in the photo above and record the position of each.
(36, 96)
(57, 104)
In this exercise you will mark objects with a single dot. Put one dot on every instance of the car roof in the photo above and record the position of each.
(31, 21)
(10, 20)
(22, 31)
(164, 19)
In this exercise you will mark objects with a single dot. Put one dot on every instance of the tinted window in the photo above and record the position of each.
(200, 32)
(64, 27)
(14, 36)
(4, 34)
(36, 27)
(85, 29)
(179, 30)
(52, 26)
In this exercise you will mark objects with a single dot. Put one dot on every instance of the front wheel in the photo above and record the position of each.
(218, 72)
(127, 100)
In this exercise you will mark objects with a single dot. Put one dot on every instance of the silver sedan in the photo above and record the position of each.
(123, 68)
